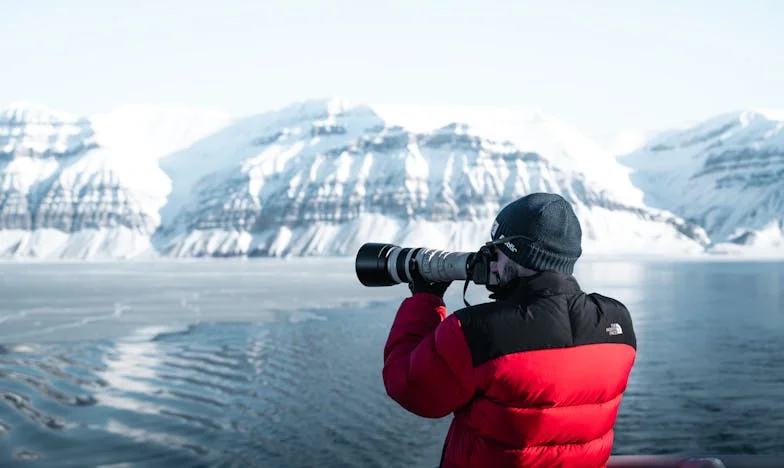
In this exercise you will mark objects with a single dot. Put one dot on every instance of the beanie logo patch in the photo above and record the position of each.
(510, 246)
(494, 229)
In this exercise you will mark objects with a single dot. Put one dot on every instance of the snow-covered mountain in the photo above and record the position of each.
(725, 174)
(68, 191)
(319, 177)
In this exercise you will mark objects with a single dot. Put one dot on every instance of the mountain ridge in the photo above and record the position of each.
(725, 173)
(317, 177)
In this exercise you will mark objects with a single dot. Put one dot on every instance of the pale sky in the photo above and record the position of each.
(602, 66)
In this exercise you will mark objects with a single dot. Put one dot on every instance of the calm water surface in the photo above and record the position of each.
(279, 364)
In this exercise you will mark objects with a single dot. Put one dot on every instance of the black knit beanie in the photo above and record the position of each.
(552, 230)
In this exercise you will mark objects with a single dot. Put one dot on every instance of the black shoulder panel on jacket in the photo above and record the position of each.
(601, 319)
(499, 328)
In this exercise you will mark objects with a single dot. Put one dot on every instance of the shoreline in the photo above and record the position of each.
(750, 257)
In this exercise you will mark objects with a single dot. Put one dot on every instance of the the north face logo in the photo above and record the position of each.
(614, 329)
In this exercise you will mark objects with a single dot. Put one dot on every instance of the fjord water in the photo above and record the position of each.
(278, 363)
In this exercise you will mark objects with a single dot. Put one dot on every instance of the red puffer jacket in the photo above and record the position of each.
(533, 380)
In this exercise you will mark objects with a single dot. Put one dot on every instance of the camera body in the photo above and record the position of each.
(379, 264)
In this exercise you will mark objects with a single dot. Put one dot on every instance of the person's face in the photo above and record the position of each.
(503, 268)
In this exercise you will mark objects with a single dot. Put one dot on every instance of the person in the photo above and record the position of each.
(534, 377)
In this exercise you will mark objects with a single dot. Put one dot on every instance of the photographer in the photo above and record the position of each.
(535, 377)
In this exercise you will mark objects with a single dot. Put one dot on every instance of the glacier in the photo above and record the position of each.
(318, 178)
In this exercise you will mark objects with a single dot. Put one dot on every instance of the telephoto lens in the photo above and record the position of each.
(388, 264)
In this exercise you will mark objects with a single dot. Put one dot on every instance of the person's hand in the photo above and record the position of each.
(420, 284)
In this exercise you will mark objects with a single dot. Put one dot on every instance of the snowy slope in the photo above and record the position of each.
(27, 129)
(623, 142)
(529, 131)
(70, 191)
(147, 131)
(725, 174)
(317, 177)
(323, 177)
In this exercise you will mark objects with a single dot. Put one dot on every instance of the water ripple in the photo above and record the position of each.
(24, 406)
(212, 395)
(309, 393)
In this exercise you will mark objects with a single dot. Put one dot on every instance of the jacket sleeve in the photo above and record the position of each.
(428, 368)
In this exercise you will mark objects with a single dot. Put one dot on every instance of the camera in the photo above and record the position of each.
(388, 264)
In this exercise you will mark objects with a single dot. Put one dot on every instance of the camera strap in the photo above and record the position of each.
(465, 289)
(470, 271)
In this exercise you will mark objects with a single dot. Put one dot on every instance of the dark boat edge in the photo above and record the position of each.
(696, 461)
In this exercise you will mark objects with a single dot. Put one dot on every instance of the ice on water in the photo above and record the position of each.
(76, 301)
